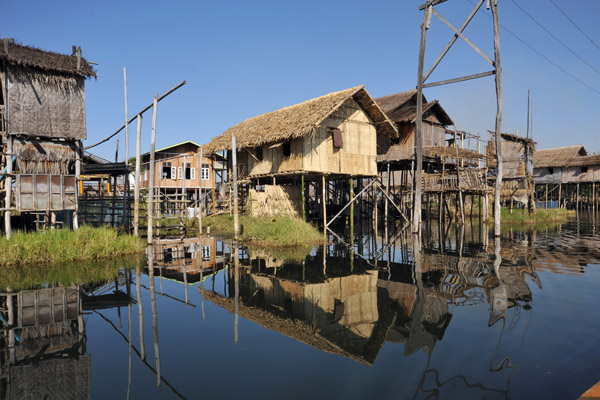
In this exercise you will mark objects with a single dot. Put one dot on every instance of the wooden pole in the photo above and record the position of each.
(154, 312)
(8, 186)
(151, 178)
(138, 291)
(560, 195)
(352, 212)
(126, 214)
(419, 126)
(78, 180)
(324, 206)
(236, 226)
(546, 199)
(498, 134)
(303, 198)
(138, 176)
(387, 190)
(213, 188)
(200, 195)
(184, 189)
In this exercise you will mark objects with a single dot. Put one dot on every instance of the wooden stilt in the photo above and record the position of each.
(138, 176)
(303, 198)
(8, 186)
(323, 199)
(151, 177)
(236, 226)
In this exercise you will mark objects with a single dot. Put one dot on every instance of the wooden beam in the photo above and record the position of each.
(461, 79)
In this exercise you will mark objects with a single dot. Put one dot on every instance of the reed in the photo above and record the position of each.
(63, 245)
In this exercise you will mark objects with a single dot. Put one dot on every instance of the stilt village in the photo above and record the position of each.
(334, 159)
(372, 245)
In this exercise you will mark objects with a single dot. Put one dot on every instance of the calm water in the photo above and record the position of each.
(367, 319)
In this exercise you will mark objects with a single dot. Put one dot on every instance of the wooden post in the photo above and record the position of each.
(77, 180)
(236, 226)
(577, 199)
(560, 195)
(387, 190)
(8, 186)
(213, 187)
(498, 127)
(153, 307)
(151, 178)
(184, 189)
(546, 198)
(200, 192)
(303, 198)
(419, 126)
(126, 214)
(138, 177)
(352, 212)
(486, 207)
(324, 206)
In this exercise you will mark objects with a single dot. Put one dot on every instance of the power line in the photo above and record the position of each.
(554, 36)
(541, 55)
(574, 24)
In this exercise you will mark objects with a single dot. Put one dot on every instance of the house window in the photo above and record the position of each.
(551, 171)
(146, 175)
(204, 172)
(188, 171)
(166, 170)
(259, 153)
(205, 253)
(583, 169)
(287, 149)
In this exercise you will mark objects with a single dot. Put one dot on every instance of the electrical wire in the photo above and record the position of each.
(554, 36)
(542, 55)
(574, 24)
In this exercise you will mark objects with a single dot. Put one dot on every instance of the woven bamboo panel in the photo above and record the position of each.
(276, 201)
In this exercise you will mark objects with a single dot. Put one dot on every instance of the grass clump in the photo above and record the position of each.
(63, 245)
(267, 232)
(542, 216)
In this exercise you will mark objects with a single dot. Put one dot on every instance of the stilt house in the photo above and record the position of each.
(448, 167)
(324, 141)
(567, 176)
(335, 135)
(42, 109)
(517, 167)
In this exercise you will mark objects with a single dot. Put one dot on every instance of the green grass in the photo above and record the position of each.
(35, 276)
(266, 232)
(542, 216)
(63, 245)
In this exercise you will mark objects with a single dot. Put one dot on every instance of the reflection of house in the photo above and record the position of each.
(42, 110)
(186, 260)
(567, 175)
(44, 354)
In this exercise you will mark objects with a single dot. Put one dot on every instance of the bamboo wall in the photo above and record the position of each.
(45, 104)
(434, 135)
(567, 175)
(359, 152)
(513, 157)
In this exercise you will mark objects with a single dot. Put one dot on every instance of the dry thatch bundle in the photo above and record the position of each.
(297, 121)
(283, 201)
(31, 57)
(44, 157)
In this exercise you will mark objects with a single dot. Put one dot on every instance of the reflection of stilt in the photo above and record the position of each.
(237, 292)
(129, 343)
(138, 291)
(202, 294)
(154, 314)
(11, 332)
(185, 285)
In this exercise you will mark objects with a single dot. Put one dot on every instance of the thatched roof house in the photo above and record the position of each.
(43, 91)
(332, 134)
(402, 110)
(568, 164)
(42, 113)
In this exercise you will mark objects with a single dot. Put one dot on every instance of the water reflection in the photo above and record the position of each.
(453, 307)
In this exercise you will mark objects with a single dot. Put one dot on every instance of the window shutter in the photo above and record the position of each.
(173, 173)
(179, 172)
(193, 173)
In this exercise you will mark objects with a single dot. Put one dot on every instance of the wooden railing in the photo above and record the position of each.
(470, 179)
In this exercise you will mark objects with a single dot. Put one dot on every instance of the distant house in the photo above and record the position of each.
(42, 110)
(172, 177)
(402, 109)
(567, 175)
(517, 167)
(334, 135)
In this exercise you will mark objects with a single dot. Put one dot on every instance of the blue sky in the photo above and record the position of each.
(245, 58)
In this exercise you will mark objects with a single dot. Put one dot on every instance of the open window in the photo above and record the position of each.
(259, 153)
(287, 149)
(167, 171)
(188, 171)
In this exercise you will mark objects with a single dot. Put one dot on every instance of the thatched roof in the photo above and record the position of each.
(558, 156)
(43, 157)
(513, 138)
(48, 61)
(452, 152)
(298, 121)
(401, 107)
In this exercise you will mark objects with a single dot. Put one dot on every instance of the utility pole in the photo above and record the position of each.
(429, 10)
